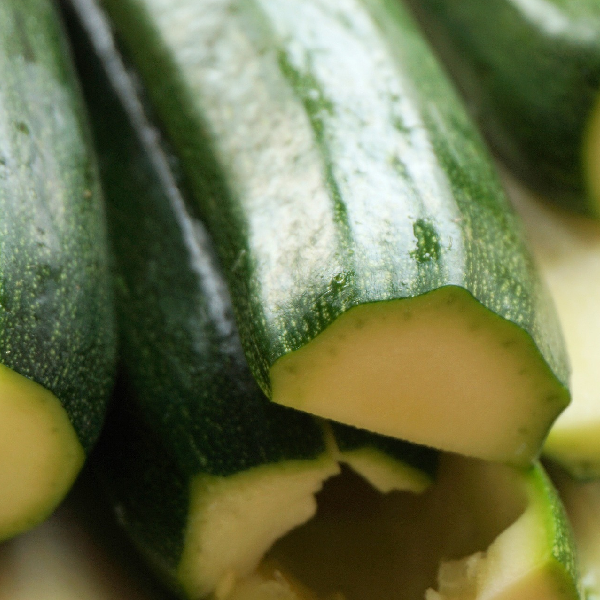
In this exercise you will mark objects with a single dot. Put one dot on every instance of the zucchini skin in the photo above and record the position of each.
(531, 76)
(56, 314)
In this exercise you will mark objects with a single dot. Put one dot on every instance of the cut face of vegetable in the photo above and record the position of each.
(530, 71)
(402, 367)
(39, 450)
(499, 533)
(343, 183)
(568, 251)
(56, 314)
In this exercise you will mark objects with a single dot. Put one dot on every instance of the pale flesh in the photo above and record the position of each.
(439, 370)
(40, 454)
(234, 520)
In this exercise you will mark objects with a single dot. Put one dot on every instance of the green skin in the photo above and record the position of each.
(531, 75)
(56, 320)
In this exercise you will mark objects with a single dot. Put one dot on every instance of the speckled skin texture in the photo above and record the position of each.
(383, 191)
(530, 72)
(187, 403)
(56, 322)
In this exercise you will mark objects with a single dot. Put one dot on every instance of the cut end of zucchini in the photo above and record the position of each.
(242, 516)
(41, 454)
(500, 533)
(439, 370)
(591, 151)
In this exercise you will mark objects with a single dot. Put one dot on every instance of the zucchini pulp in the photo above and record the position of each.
(483, 531)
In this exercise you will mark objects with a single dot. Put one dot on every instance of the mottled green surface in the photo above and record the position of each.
(333, 164)
(188, 404)
(530, 72)
(56, 322)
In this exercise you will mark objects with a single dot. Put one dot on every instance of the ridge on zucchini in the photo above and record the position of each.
(205, 472)
(567, 248)
(530, 72)
(378, 274)
(56, 321)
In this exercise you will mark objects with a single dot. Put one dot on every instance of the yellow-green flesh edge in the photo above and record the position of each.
(495, 530)
(567, 249)
(439, 370)
(40, 454)
(234, 520)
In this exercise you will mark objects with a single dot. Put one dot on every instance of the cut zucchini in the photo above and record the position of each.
(568, 251)
(500, 533)
(205, 472)
(56, 321)
(386, 463)
(378, 274)
(530, 72)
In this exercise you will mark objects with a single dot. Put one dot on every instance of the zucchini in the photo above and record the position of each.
(567, 247)
(56, 321)
(483, 531)
(530, 72)
(377, 272)
(205, 471)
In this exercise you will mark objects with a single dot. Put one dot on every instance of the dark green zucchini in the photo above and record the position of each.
(205, 471)
(56, 320)
(530, 72)
(377, 272)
